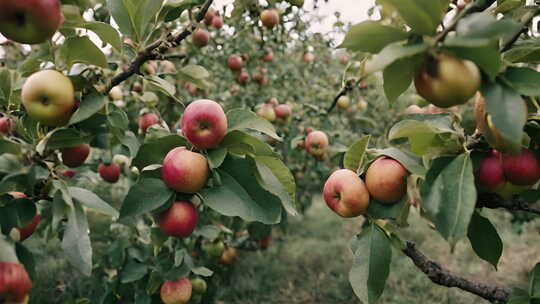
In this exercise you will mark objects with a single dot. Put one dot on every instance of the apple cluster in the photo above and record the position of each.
(349, 196)
(272, 110)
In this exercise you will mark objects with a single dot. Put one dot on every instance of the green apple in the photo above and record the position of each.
(214, 249)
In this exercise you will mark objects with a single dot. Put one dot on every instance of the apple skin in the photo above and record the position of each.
(308, 57)
(268, 57)
(343, 102)
(185, 171)
(215, 249)
(346, 194)
(447, 81)
(116, 93)
(30, 21)
(267, 112)
(243, 77)
(217, 22)
(68, 173)
(176, 292)
(15, 284)
(137, 87)
(490, 173)
(283, 111)
(235, 62)
(270, 18)
(386, 180)
(204, 123)
(228, 256)
(74, 157)
(110, 173)
(199, 285)
(49, 97)
(5, 125)
(179, 220)
(210, 14)
(316, 143)
(26, 231)
(309, 130)
(201, 37)
(522, 169)
(147, 120)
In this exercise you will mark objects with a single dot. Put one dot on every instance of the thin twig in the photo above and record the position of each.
(493, 201)
(349, 85)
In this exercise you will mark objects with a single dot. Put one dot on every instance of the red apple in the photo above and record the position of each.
(283, 111)
(15, 284)
(137, 87)
(26, 231)
(204, 123)
(16, 194)
(235, 62)
(147, 120)
(179, 220)
(243, 77)
(522, 169)
(5, 125)
(176, 292)
(110, 173)
(308, 57)
(386, 180)
(266, 111)
(210, 14)
(74, 157)
(217, 22)
(346, 194)
(68, 173)
(228, 256)
(490, 174)
(316, 143)
(363, 85)
(185, 171)
(309, 130)
(270, 18)
(268, 57)
(201, 37)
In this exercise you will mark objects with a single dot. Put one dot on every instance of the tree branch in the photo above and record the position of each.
(158, 47)
(349, 85)
(438, 275)
(493, 201)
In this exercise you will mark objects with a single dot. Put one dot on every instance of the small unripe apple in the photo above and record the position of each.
(5, 125)
(199, 285)
(176, 292)
(308, 57)
(201, 37)
(270, 18)
(268, 57)
(243, 77)
(210, 14)
(316, 143)
(110, 173)
(15, 284)
(267, 112)
(185, 171)
(490, 174)
(214, 249)
(346, 194)
(446, 81)
(235, 62)
(147, 120)
(283, 111)
(217, 22)
(522, 169)
(74, 157)
(204, 123)
(228, 256)
(362, 105)
(343, 102)
(386, 180)
(116, 93)
(179, 220)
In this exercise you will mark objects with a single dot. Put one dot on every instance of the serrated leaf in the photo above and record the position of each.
(484, 239)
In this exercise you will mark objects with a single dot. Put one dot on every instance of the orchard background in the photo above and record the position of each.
(180, 151)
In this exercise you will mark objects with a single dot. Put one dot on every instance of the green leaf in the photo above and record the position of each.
(449, 195)
(423, 16)
(359, 38)
(76, 241)
(7, 146)
(63, 138)
(104, 31)
(120, 13)
(195, 74)
(534, 284)
(82, 50)
(133, 272)
(524, 51)
(239, 119)
(90, 105)
(354, 156)
(147, 11)
(132, 143)
(17, 213)
(7, 250)
(391, 53)
(146, 195)
(379, 210)
(216, 157)
(371, 265)
(239, 142)
(411, 162)
(523, 80)
(5, 87)
(398, 77)
(92, 201)
(154, 151)
(276, 178)
(117, 122)
(160, 84)
(519, 296)
(202, 271)
(488, 58)
(484, 239)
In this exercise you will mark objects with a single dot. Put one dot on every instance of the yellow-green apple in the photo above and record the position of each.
(116, 93)
(204, 123)
(30, 21)
(185, 171)
(109, 172)
(270, 18)
(214, 249)
(122, 160)
(210, 14)
(176, 292)
(228, 256)
(346, 194)
(386, 180)
(243, 77)
(343, 102)
(522, 169)
(201, 37)
(235, 62)
(179, 220)
(15, 284)
(266, 111)
(446, 81)
(308, 57)
(5, 125)
(217, 22)
(75, 156)
(49, 97)
(283, 111)
(199, 285)
(268, 57)
(147, 120)
(362, 105)
(316, 143)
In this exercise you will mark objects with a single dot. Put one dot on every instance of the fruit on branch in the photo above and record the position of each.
(308, 57)
(167, 67)
(49, 97)
(30, 21)
(201, 37)
(5, 125)
(267, 112)
(270, 18)
(137, 87)
(176, 292)
(204, 123)
(185, 171)
(283, 111)
(217, 22)
(15, 284)
(343, 102)
(68, 173)
(363, 84)
(235, 62)
(273, 101)
(199, 285)
(179, 220)
(116, 93)
(316, 143)
(210, 14)
(149, 68)
(228, 256)
(522, 169)
(147, 120)
(362, 105)
(75, 156)
(490, 174)
(109, 172)
(243, 77)
(268, 57)
(214, 249)
(446, 81)
(386, 180)
(346, 194)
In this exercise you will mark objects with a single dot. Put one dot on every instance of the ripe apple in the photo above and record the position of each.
(185, 171)
(199, 285)
(268, 57)
(75, 156)
(116, 93)
(5, 125)
(176, 292)
(210, 14)
(283, 111)
(316, 143)
(343, 102)
(308, 57)
(243, 77)
(109, 172)
(346, 194)
(270, 18)
(522, 169)
(201, 37)
(217, 22)
(147, 120)
(446, 81)
(49, 97)
(68, 173)
(149, 68)
(490, 174)
(30, 21)
(137, 87)
(179, 220)
(386, 180)
(363, 84)
(228, 256)
(15, 284)
(214, 249)
(204, 123)
(267, 112)
(235, 62)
